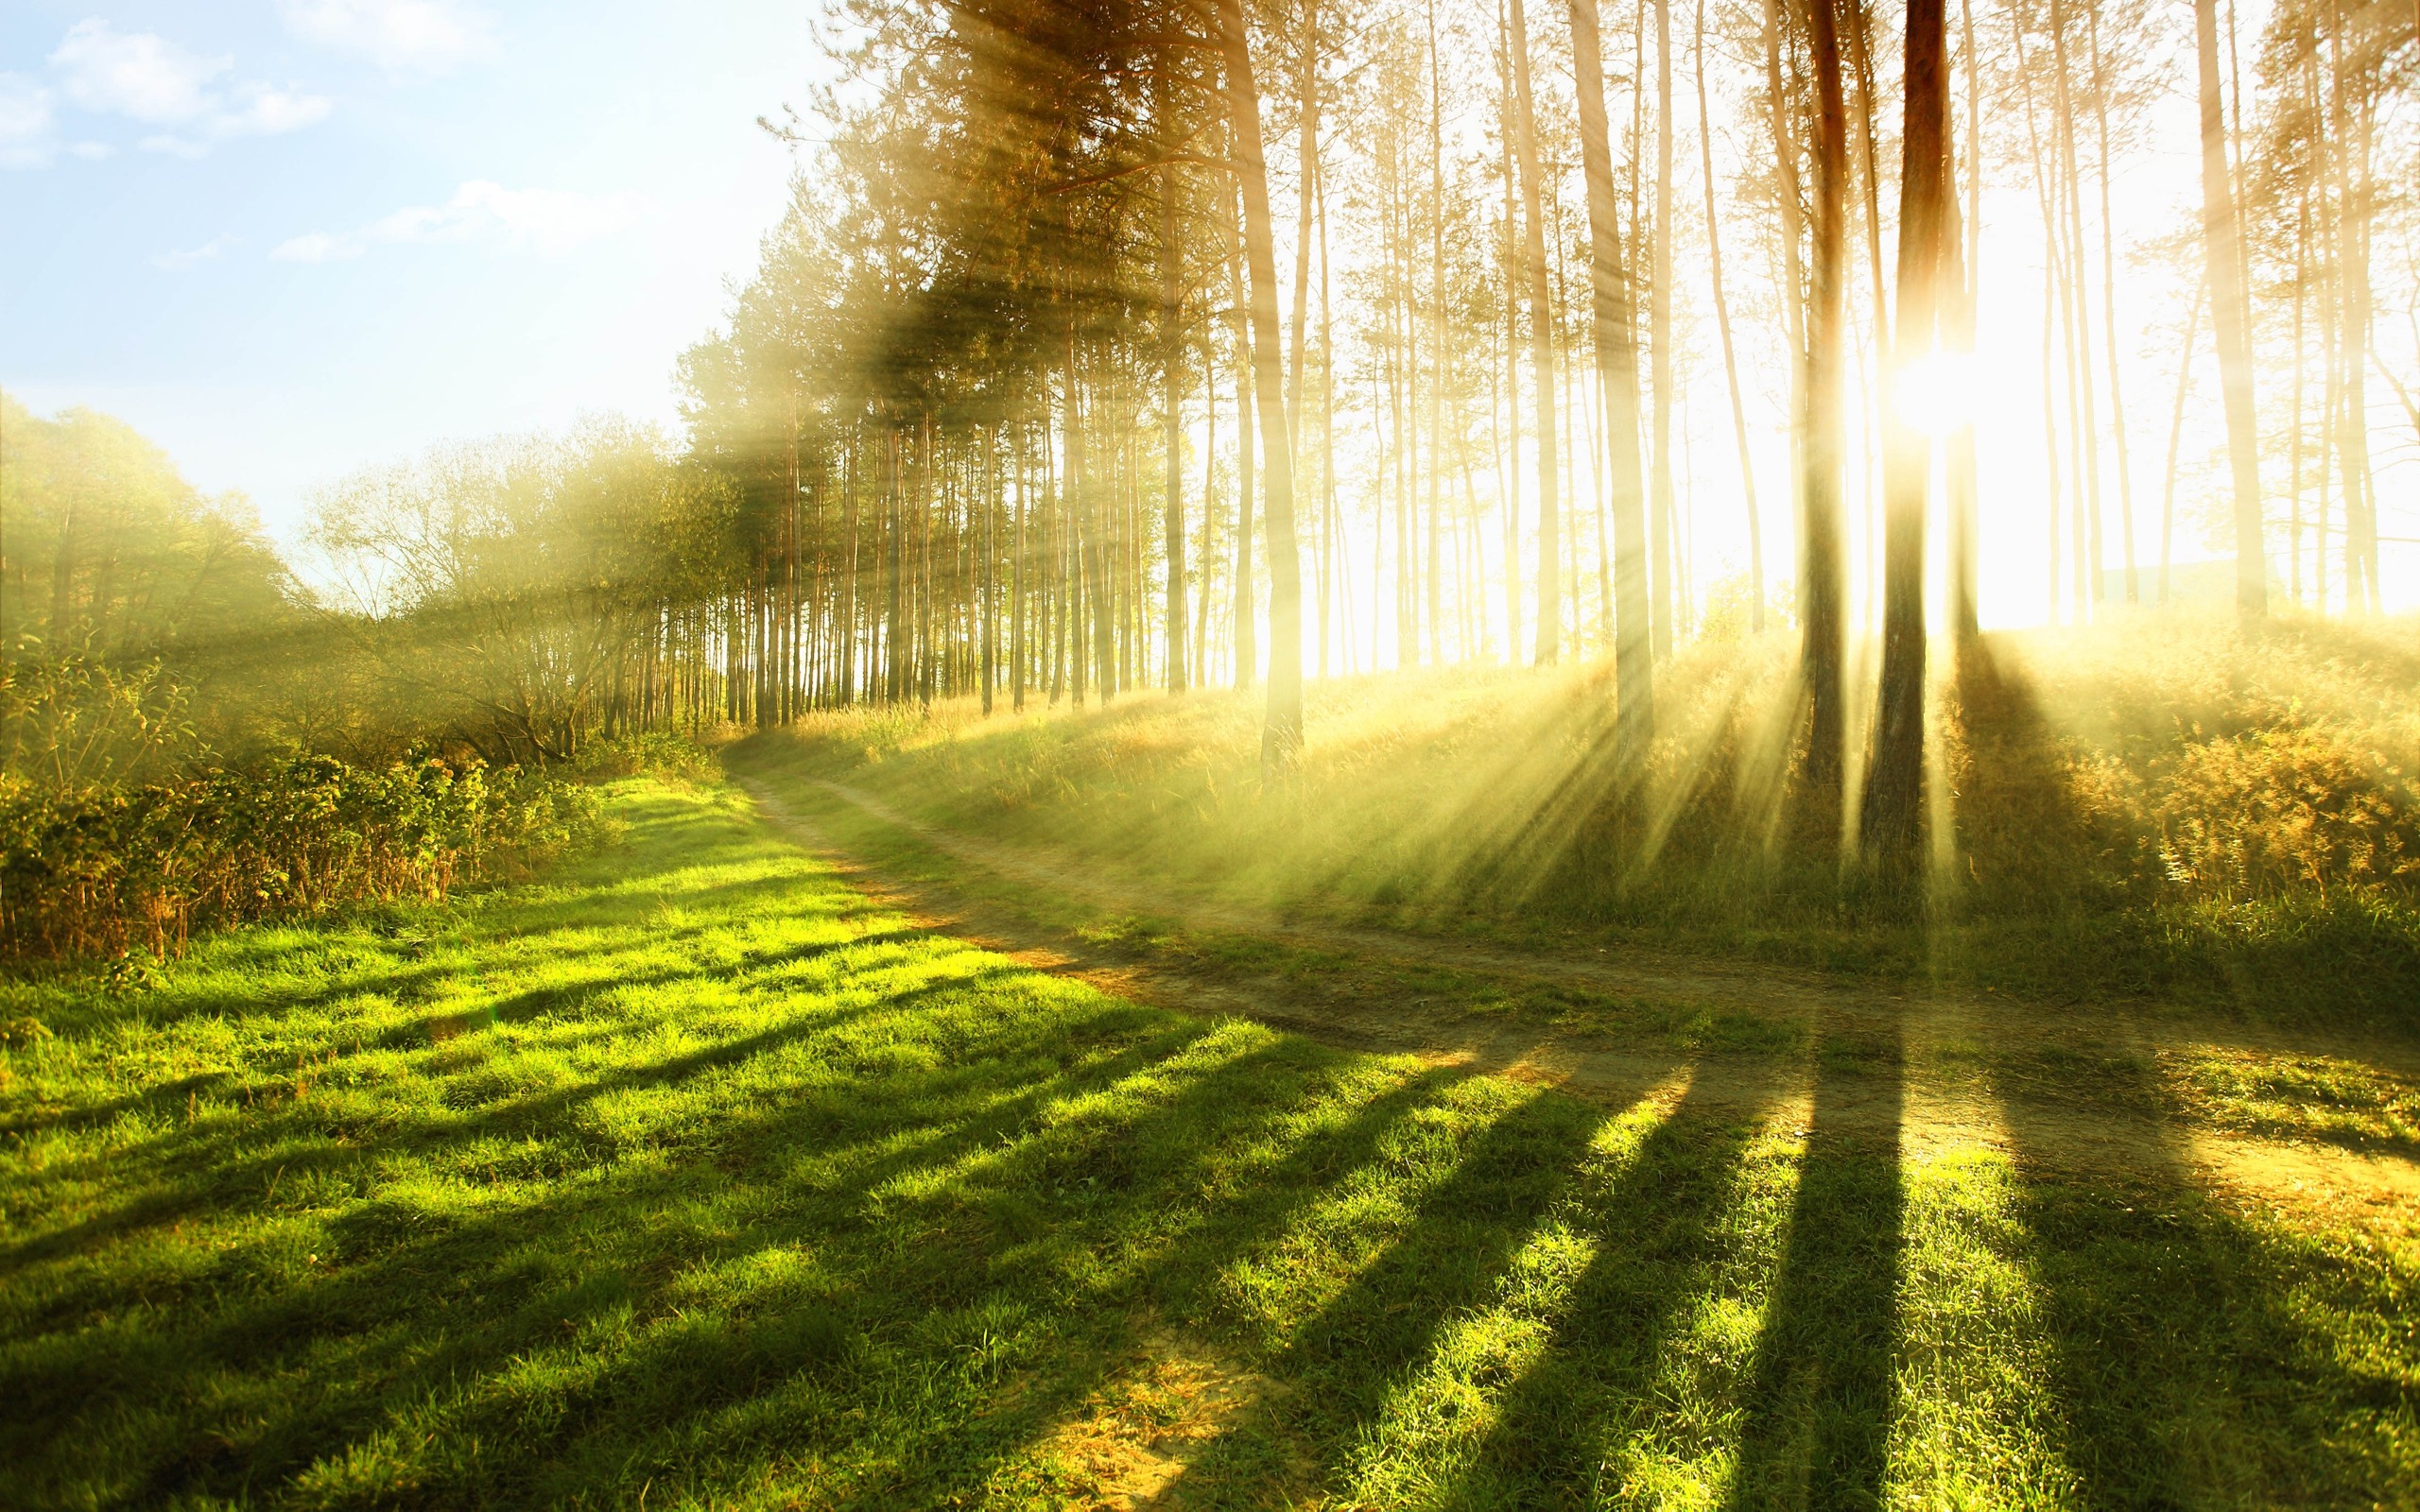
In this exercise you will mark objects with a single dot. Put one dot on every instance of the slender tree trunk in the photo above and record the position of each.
(1437, 343)
(1330, 543)
(2350, 128)
(1017, 575)
(2177, 436)
(2109, 315)
(1540, 351)
(991, 556)
(1730, 356)
(1618, 385)
(1660, 338)
(1965, 525)
(1892, 823)
(1282, 734)
(1308, 152)
(1247, 626)
(1172, 396)
(1512, 369)
(2220, 252)
(1823, 652)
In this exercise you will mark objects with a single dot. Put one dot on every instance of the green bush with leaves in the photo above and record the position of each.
(106, 871)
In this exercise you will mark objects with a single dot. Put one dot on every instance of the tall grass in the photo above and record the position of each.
(2156, 805)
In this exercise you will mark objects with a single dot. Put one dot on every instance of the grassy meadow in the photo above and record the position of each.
(690, 1174)
(2161, 810)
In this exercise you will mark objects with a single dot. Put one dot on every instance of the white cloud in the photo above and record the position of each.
(398, 34)
(178, 262)
(551, 221)
(25, 138)
(137, 74)
(147, 78)
(315, 247)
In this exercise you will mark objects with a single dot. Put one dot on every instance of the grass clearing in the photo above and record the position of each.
(692, 1176)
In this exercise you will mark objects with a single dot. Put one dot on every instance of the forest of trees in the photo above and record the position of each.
(1107, 347)
(1110, 347)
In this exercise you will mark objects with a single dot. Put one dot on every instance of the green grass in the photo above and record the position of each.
(691, 1177)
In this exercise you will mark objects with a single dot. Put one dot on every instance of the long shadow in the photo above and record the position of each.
(1187, 1257)
(1658, 1227)
(2199, 1359)
(1821, 1401)
(1447, 1257)
(2019, 823)
(362, 1300)
(524, 1115)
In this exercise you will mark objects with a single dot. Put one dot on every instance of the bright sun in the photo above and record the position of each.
(1935, 393)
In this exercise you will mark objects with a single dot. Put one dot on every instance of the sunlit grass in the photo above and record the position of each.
(692, 1178)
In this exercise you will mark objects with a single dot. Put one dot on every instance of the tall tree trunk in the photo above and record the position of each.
(1660, 338)
(1437, 342)
(1171, 394)
(1618, 385)
(1891, 822)
(2176, 435)
(1965, 526)
(1247, 625)
(1307, 152)
(1512, 369)
(2220, 242)
(2350, 129)
(1281, 741)
(1541, 350)
(1823, 649)
(991, 507)
(2109, 315)
(1017, 574)
(1730, 356)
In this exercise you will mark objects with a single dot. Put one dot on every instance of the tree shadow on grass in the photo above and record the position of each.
(2200, 1357)
(1448, 1256)
(299, 1139)
(961, 1153)
(1822, 1396)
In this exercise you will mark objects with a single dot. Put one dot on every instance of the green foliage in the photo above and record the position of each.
(495, 592)
(111, 551)
(100, 871)
(666, 754)
(76, 721)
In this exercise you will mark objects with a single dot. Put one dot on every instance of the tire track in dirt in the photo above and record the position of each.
(1936, 1110)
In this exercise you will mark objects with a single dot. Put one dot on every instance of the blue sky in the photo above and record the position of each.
(286, 238)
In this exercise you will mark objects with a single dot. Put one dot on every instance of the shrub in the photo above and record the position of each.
(649, 753)
(101, 873)
(2277, 812)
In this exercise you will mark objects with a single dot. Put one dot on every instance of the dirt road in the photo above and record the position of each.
(2099, 1089)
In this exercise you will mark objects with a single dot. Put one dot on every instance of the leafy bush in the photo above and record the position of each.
(102, 872)
(649, 753)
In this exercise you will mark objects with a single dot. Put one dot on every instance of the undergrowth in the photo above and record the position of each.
(2158, 806)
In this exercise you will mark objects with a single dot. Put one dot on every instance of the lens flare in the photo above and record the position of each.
(1935, 393)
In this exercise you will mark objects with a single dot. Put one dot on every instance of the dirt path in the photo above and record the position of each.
(1921, 1084)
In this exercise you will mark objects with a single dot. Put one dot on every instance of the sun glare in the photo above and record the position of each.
(1936, 393)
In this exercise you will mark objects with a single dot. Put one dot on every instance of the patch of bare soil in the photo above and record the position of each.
(1934, 1066)
(1133, 1441)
